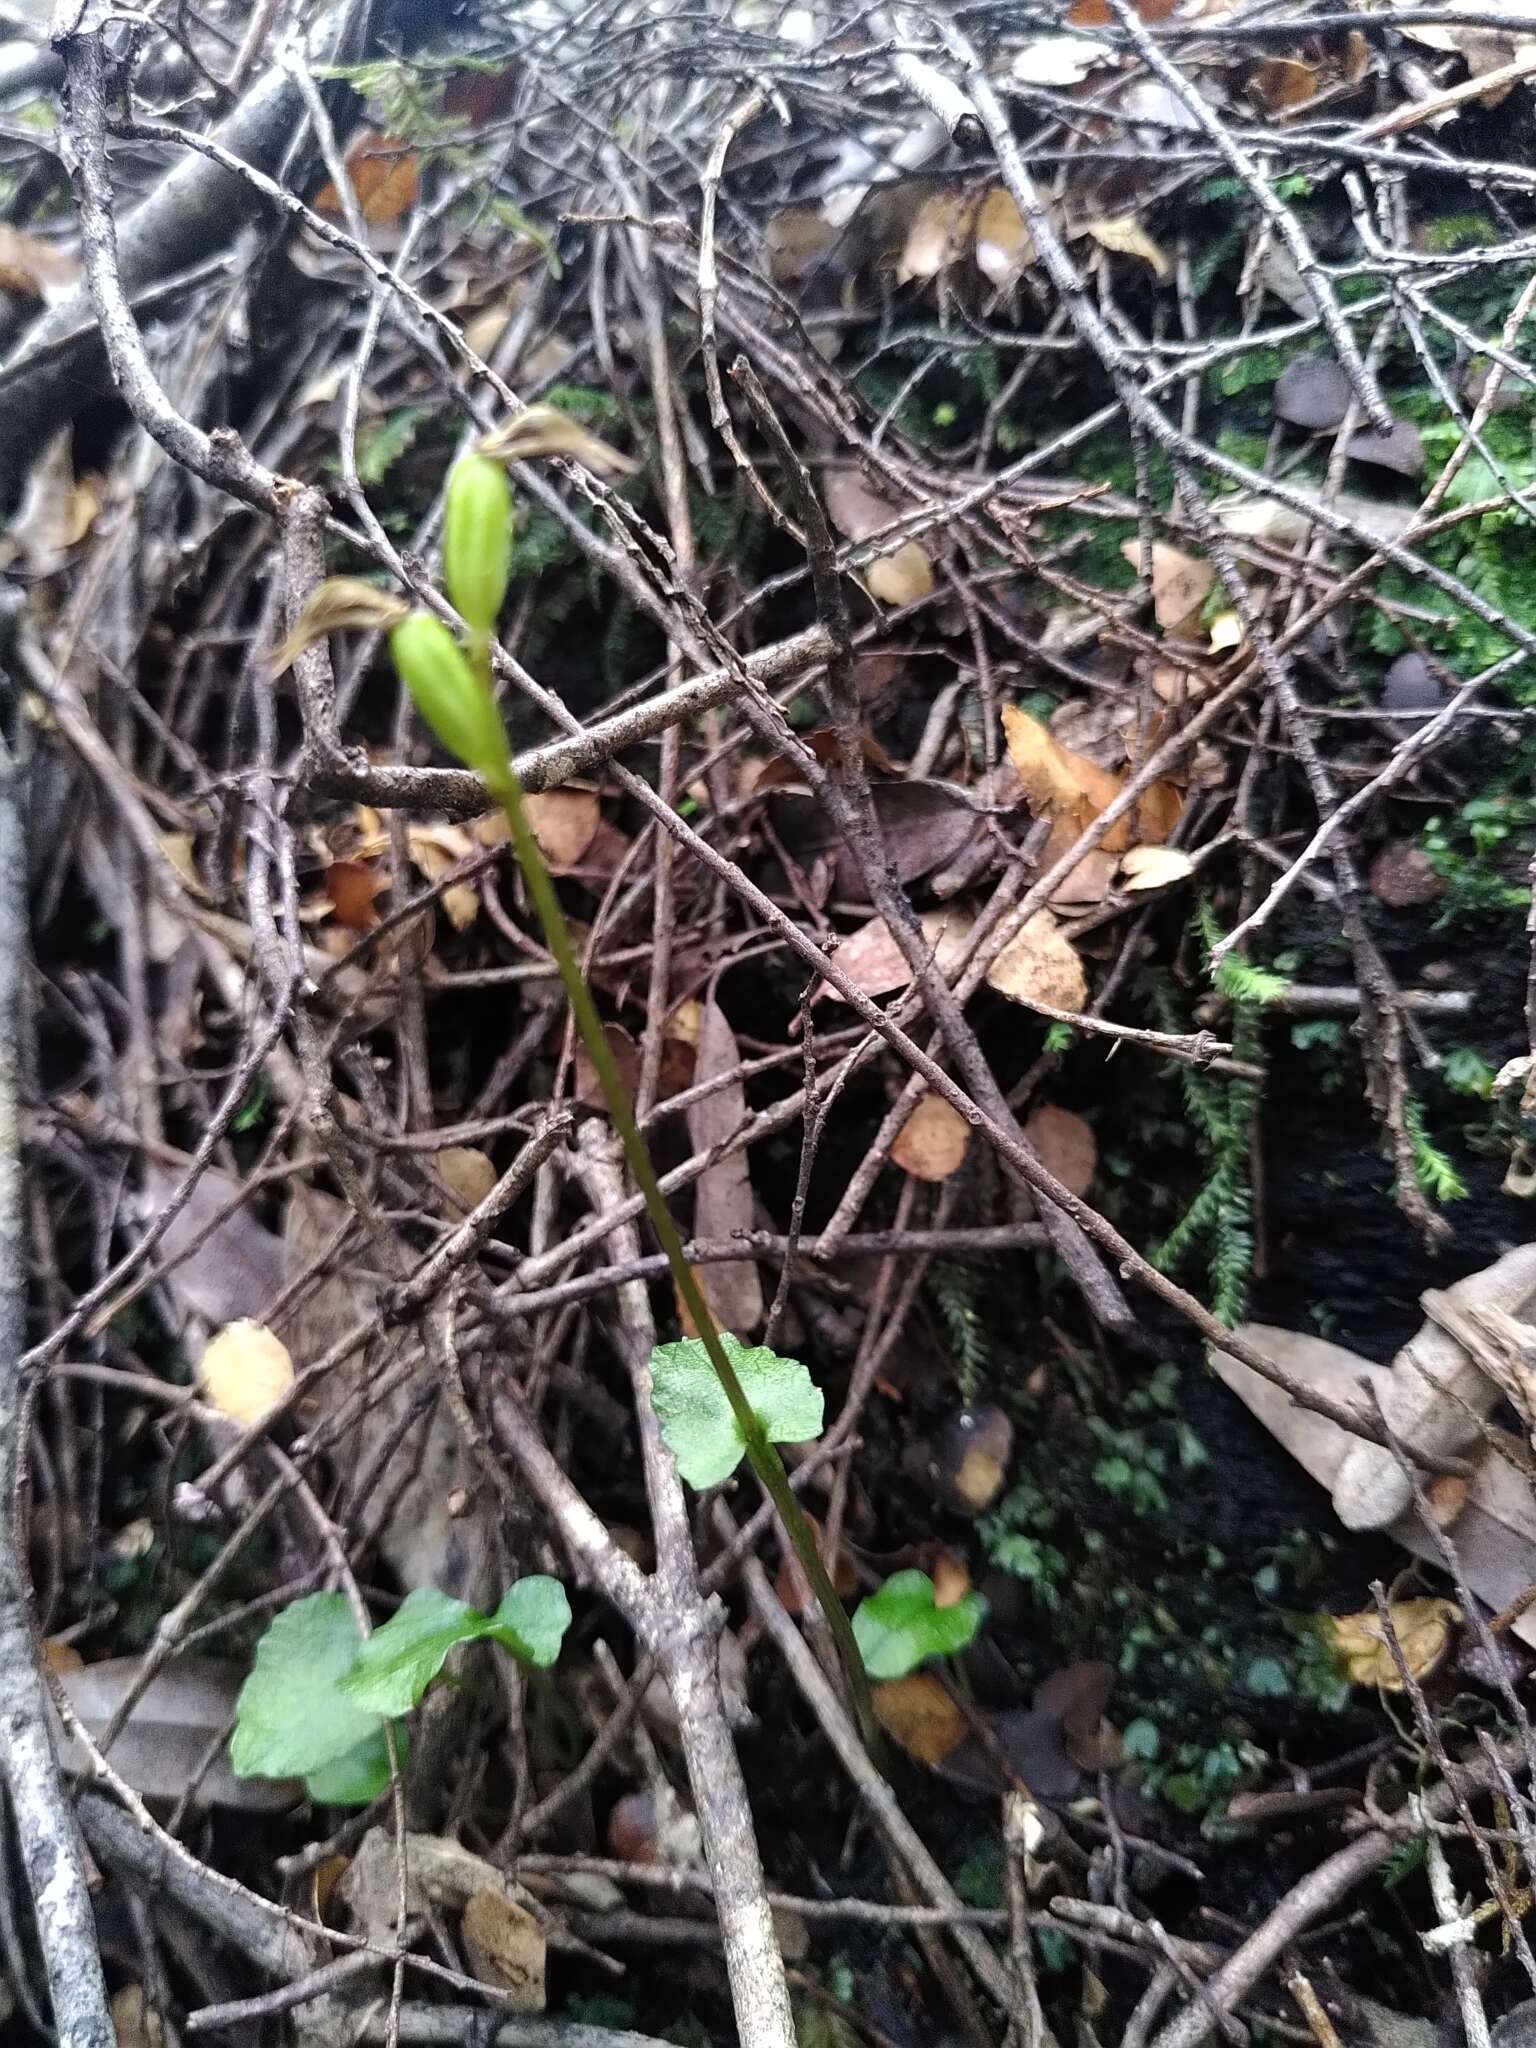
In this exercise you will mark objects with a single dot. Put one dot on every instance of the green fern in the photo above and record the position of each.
(1437, 1176)
(954, 1288)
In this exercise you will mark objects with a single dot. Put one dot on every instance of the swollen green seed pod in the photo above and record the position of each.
(477, 540)
(455, 702)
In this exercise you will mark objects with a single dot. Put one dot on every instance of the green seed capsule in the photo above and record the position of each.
(477, 540)
(454, 701)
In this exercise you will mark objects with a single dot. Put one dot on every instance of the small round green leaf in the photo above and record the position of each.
(359, 1777)
(900, 1627)
(292, 1716)
(695, 1416)
(400, 1660)
(532, 1620)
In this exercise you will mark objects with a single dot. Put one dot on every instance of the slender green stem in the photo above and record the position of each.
(761, 1452)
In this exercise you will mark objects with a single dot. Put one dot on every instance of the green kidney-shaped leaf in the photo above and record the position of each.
(359, 1777)
(696, 1418)
(292, 1716)
(900, 1627)
(400, 1660)
(532, 1620)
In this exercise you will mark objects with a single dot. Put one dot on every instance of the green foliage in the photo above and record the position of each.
(392, 1670)
(1436, 1175)
(292, 1717)
(318, 1698)
(1131, 1469)
(1466, 1072)
(696, 1419)
(901, 1626)
(1014, 1534)
(381, 443)
(955, 1287)
(1467, 848)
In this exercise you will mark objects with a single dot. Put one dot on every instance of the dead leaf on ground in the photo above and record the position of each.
(1154, 867)
(434, 849)
(1313, 392)
(1004, 247)
(951, 1578)
(1087, 884)
(920, 1714)
(626, 1057)
(1126, 236)
(1279, 82)
(180, 849)
(467, 1173)
(1424, 1630)
(170, 1730)
(1078, 1695)
(971, 1458)
(906, 577)
(352, 888)
(229, 1264)
(1401, 451)
(245, 1371)
(938, 237)
(1072, 790)
(34, 269)
(1059, 60)
(1064, 1144)
(385, 174)
(898, 578)
(540, 430)
(1180, 583)
(872, 960)
(796, 240)
(1403, 876)
(135, 2021)
(723, 1205)
(564, 822)
(932, 1143)
(505, 1947)
(1099, 14)
(1040, 965)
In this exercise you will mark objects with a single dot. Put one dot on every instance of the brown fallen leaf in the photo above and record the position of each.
(1279, 82)
(245, 1371)
(353, 888)
(1072, 790)
(971, 1457)
(220, 1263)
(1403, 876)
(938, 237)
(1126, 236)
(1154, 867)
(1424, 1630)
(626, 1057)
(1313, 392)
(873, 961)
(1180, 583)
(933, 1142)
(1064, 1144)
(1040, 965)
(723, 1204)
(1401, 451)
(1098, 13)
(920, 1714)
(540, 430)
(564, 822)
(505, 1947)
(1004, 246)
(434, 849)
(385, 174)
(172, 1727)
(135, 2022)
(796, 240)
(467, 1173)
(32, 268)
(902, 578)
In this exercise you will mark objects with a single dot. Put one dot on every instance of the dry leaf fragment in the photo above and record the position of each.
(723, 1205)
(385, 174)
(1098, 14)
(1424, 1631)
(1064, 1144)
(1126, 236)
(135, 2021)
(938, 236)
(918, 1713)
(1040, 965)
(564, 822)
(245, 1371)
(1401, 451)
(1180, 583)
(1283, 82)
(902, 578)
(873, 961)
(1313, 392)
(545, 430)
(180, 849)
(1154, 867)
(32, 268)
(337, 604)
(467, 1173)
(795, 241)
(434, 849)
(505, 1947)
(1058, 783)
(1059, 60)
(1005, 248)
(932, 1143)
(353, 888)
(1227, 632)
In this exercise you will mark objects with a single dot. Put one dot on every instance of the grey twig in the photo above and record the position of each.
(50, 1846)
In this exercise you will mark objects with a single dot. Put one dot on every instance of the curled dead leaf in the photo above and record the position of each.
(385, 173)
(545, 430)
(1180, 583)
(938, 236)
(932, 1143)
(1154, 867)
(1424, 1630)
(245, 1371)
(1126, 236)
(338, 604)
(1004, 247)
(873, 961)
(434, 849)
(901, 578)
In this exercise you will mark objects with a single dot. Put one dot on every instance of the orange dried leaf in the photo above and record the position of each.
(385, 174)
(1040, 965)
(353, 887)
(1283, 82)
(918, 1713)
(564, 822)
(932, 1143)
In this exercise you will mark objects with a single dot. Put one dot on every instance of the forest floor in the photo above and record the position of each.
(1020, 647)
